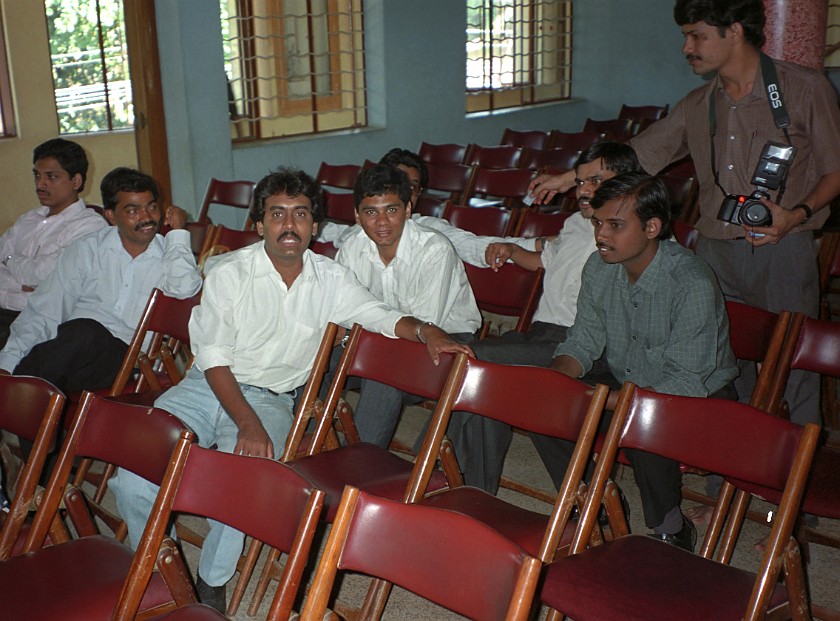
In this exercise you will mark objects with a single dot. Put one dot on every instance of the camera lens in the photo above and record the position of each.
(755, 213)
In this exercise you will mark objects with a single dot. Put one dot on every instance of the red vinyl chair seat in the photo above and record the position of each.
(609, 577)
(361, 465)
(526, 528)
(53, 584)
(193, 612)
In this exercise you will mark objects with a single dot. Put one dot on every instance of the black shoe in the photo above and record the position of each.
(603, 520)
(215, 597)
(684, 539)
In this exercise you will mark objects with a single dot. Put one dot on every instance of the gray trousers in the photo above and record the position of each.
(481, 443)
(784, 276)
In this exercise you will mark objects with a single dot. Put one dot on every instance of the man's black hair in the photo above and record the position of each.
(617, 156)
(650, 197)
(722, 14)
(379, 180)
(290, 182)
(409, 159)
(69, 155)
(124, 179)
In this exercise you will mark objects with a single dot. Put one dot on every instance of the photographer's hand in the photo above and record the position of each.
(784, 220)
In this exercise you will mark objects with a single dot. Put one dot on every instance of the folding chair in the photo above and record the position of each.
(442, 153)
(82, 578)
(488, 221)
(443, 556)
(647, 579)
(683, 192)
(559, 159)
(338, 175)
(642, 116)
(513, 291)
(396, 362)
(619, 130)
(277, 506)
(540, 224)
(499, 186)
(497, 156)
(30, 408)
(530, 139)
(238, 194)
(326, 249)
(222, 239)
(340, 207)
(446, 182)
(685, 234)
(576, 141)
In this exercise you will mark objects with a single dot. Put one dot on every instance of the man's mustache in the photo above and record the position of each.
(289, 234)
(141, 225)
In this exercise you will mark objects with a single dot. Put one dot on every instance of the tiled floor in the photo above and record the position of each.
(523, 464)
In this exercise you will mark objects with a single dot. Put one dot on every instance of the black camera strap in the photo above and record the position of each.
(773, 91)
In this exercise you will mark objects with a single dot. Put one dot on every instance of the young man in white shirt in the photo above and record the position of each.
(30, 248)
(75, 329)
(255, 335)
(409, 267)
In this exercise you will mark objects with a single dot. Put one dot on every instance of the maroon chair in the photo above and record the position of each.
(442, 153)
(683, 192)
(448, 182)
(528, 139)
(238, 194)
(286, 518)
(513, 291)
(685, 234)
(649, 579)
(642, 116)
(619, 130)
(576, 141)
(541, 224)
(82, 578)
(324, 248)
(494, 186)
(500, 156)
(441, 556)
(338, 175)
(340, 207)
(488, 221)
(30, 408)
(560, 158)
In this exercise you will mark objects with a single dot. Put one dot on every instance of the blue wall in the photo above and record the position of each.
(415, 57)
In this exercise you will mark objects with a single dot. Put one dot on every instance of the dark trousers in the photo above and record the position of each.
(7, 317)
(82, 356)
(659, 479)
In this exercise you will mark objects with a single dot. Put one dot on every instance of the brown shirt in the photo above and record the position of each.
(743, 127)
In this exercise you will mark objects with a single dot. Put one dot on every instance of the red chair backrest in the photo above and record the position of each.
(531, 139)
(577, 141)
(237, 194)
(450, 177)
(326, 249)
(750, 330)
(685, 234)
(442, 153)
(489, 221)
(542, 224)
(612, 129)
(340, 206)
(233, 239)
(818, 347)
(499, 156)
(561, 158)
(338, 175)
(513, 291)
(506, 182)
(23, 403)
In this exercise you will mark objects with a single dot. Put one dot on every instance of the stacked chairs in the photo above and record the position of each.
(648, 579)
(528, 139)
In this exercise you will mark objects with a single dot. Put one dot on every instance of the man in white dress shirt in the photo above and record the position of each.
(255, 334)
(409, 267)
(30, 248)
(481, 443)
(75, 329)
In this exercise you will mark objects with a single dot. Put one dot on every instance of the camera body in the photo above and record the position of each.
(770, 173)
(749, 210)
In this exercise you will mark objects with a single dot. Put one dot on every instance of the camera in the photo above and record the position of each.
(770, 173)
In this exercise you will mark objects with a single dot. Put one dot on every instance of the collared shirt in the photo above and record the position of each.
(743, 128)
(95, 278)
(669, 330)
(268, 333)
(30, 248)
(469, 246)
(425, 278)
(563, 260)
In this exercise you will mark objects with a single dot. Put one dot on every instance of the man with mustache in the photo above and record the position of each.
(409, 267)
(255, 335)
(656, 313)
(30, 248)
(75, 330)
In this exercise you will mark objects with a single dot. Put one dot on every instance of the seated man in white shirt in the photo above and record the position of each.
(75, 329)
(255, 335)
(409, 267)
(30, 248)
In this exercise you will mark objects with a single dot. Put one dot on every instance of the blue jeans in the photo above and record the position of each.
(193, 401)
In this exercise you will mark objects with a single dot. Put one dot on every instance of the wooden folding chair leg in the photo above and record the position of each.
(795, 583)
(247, 565)
(265, 578)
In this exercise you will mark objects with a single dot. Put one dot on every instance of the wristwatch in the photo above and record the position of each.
(806, 209)
(417, 330)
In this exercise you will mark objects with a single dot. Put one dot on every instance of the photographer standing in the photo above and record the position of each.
(724, 126)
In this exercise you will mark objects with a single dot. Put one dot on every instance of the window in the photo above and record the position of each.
(294, 66)
(7, 113)
(519, 52)
(89, 65)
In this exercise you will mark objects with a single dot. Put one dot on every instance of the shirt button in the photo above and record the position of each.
(627, 370)
(634, 338)
(635, 305)
(732, 137)
(731, 166)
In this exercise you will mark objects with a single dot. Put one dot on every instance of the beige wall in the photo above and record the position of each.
(28, 48)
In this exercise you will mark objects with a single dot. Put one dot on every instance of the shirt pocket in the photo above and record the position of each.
(301, 344)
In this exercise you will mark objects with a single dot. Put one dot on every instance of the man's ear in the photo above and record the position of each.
(408, 208)
(653, 228)
(259, 228)
(314, 230)
(109, 216)
(77, 181)
(736, 31)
